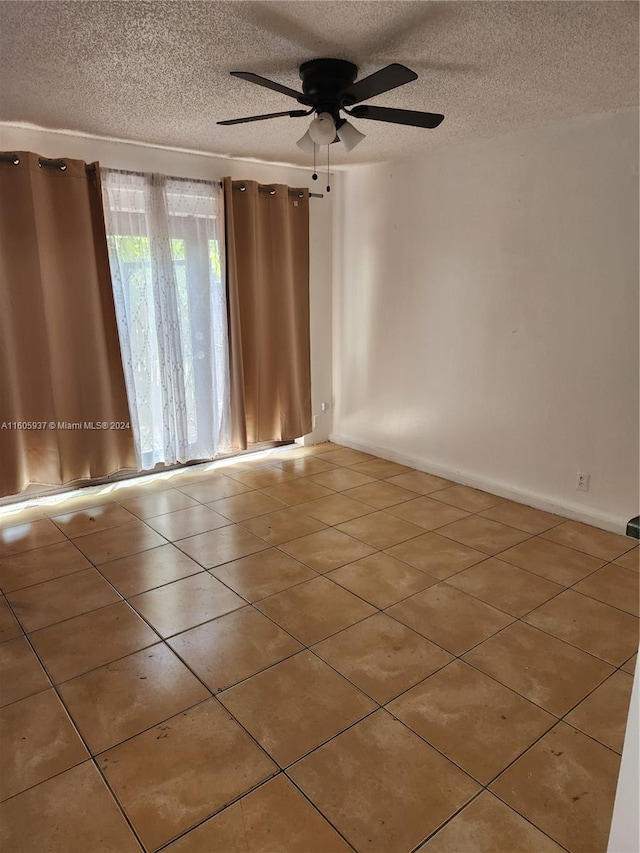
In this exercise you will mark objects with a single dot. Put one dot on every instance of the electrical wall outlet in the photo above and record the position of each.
(324, 407)
(582, 481)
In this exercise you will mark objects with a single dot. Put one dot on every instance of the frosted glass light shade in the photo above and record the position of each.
(350, 136)
(322, 129)
(306, 143)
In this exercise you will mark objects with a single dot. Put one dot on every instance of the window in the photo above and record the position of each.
(165, 238)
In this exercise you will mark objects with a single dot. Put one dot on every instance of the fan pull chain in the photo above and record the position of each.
(315, 174)
(328, 175)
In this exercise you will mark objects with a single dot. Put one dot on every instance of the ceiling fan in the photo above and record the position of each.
(329, 87)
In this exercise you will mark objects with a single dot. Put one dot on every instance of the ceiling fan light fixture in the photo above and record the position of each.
(306, 144)
(322, 129)
(349, 135)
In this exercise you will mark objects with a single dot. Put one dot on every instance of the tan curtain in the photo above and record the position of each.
(267, 256)
(59, 353)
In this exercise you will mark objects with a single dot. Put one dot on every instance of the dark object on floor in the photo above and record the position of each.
(633, 528)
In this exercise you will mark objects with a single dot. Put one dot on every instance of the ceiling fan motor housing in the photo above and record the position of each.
(323, 81)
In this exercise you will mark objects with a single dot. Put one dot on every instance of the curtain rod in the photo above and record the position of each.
(11, 157)
(238, 185)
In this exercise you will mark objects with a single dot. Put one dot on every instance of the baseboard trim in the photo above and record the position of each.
(572, 511)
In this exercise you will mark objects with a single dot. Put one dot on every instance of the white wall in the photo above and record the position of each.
(145, 158)
(486, 314)
(625, 825)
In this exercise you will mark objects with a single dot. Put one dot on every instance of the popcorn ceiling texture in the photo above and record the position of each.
(158, 71)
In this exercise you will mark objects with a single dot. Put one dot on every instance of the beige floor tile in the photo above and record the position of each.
(123, 698)
(522, 517)
(271, 819)
(341, 479)
(186, 603)
(565, 785)
(595, 627)
(85, 642)
(82, 499)
(41, 818)
(380, 530)
(613, 585)
(40, 565)
(334, 509)
(419, 482)
(215, 488)
(506, 587)
(221, 546)
(382, 657)
(62, 598)
(438, 556)
(464, 497)
(305, 466)
(295, 706)
(381, 469)
(248, 505)
(381, 580)
(233, 647)
(149, 569)
(314, 610)
(327, 549)
(187, 522)
(427, 513)
(18, 517)
(83, 521)
(37, 741)
(295, 452)
(382, 786)
(450, 618)
(158, 503)
(347, 457)
(173, 776)
(539, 667)
(476, 722)
(488, 826)
(246, 462)
(603, 714)
(590, 540)
(379, 494)
(282, 526)
(119, 542)
(630, 560)
(26, 537)
(262, 477)
(297, 491)
(9, 626)
(20, 672)
(483, 534)
(630, 665)
(551, 561)
(263, 574)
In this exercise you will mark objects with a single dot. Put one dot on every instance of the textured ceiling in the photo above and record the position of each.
(158, 71)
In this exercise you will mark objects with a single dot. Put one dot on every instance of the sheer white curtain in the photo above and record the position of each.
(166, 250)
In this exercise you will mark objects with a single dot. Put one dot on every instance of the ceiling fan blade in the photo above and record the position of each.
(414, 118)
(292, 113)
(381, 81)
(268, 84)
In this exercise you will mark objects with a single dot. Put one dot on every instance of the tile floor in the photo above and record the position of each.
(310, 652)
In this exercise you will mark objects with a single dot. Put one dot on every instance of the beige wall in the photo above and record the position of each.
(486, 314)
(120, 155)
